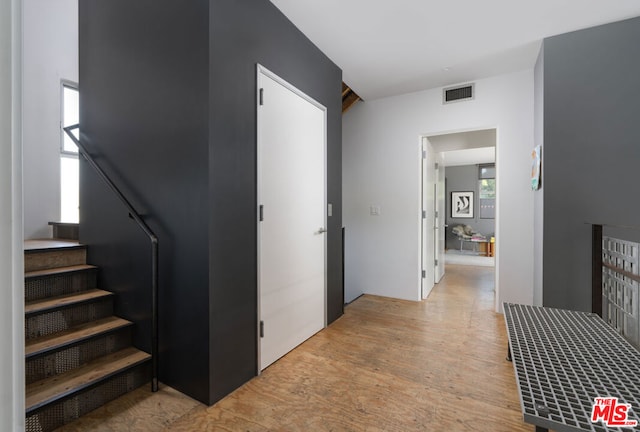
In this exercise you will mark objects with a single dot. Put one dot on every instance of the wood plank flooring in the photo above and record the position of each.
(386, 365)
(59, 270)
(46, 244)
(37, 306)
(42, 392)
(74, 335)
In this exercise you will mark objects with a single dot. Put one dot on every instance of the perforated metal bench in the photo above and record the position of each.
(563, 360)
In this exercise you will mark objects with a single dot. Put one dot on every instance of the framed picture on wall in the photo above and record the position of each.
(536, 171)
(461, 204)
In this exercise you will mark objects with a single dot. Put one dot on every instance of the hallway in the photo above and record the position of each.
(387, 365)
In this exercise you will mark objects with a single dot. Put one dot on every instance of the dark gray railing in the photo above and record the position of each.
(154, 251)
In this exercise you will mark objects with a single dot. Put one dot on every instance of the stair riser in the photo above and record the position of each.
(61, 361)
(60, 413)
(52, 286)
(63, 319)
(41, 260)
(87, 366)
(66, 231)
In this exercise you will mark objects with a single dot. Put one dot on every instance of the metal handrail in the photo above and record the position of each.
(154, 250)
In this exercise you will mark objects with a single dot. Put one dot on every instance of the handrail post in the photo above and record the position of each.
(154, 250)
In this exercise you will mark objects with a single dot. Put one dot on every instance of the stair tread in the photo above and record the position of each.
(64, 300)
(64, 223)
(59, 270)
(50, 244)
(48, 390)
(77, 334)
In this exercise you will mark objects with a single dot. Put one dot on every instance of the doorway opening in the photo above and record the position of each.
(458, 202)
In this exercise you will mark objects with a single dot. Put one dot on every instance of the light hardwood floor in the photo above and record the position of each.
(386, 365)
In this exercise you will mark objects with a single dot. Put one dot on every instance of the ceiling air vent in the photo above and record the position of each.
(458, 93)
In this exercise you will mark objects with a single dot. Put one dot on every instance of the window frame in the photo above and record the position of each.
(65, 153)
(482, 177)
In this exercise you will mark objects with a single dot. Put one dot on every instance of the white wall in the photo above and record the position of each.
(11, 256)
(50, 54)
(379, 141)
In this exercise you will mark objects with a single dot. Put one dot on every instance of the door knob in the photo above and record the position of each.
(321, 231)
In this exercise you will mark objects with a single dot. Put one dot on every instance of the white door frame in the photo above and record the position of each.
(497, 212)
(426, 217)
(261, 70)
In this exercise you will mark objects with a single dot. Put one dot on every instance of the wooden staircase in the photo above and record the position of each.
(78, 356)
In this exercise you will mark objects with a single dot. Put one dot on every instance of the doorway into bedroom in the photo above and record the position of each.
(470, 234)
(459, 187)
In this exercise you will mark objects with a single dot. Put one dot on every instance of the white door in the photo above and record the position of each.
(291, 220)
(440, 217)
(427, 237)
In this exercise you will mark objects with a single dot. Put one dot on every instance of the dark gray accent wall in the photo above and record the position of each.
(463, 179)
(244, 33)
(591, 150)
(144, 77)
(167, 93)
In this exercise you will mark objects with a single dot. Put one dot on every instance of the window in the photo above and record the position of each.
(69, 178)
(487, 191)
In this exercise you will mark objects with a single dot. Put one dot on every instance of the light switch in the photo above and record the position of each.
(374, 210)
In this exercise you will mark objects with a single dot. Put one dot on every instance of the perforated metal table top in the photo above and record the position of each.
(563, 360)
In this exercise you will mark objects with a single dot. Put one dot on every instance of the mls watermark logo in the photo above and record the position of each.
(611, 413)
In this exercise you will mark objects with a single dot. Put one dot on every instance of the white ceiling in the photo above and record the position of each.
(463, 140)
(483, 155)
(466, 148)
(392, 47)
